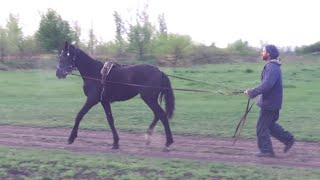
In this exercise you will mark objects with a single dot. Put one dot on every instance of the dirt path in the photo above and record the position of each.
(303, 154)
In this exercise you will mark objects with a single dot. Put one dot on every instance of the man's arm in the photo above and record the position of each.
(269, 80)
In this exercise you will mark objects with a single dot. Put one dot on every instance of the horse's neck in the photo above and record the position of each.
(88, 66)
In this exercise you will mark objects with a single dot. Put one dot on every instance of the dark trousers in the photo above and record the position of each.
(267, 126)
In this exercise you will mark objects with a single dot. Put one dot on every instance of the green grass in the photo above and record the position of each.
(29, 163)
(38, 98)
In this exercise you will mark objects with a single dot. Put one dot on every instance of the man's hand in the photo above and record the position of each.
(247, 93)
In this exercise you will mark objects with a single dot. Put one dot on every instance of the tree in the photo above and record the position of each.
(174, 46)
(120, 30)
(241, 48)
(14, 34)
(77, 33)
(3, 43)
(140, 35)
(30, 45)
(162, 25)
(92, 43)
(312, 48)
(53, 31)
(107, 48)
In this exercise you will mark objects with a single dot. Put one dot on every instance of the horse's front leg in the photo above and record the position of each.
(86, 107)
(107, 110)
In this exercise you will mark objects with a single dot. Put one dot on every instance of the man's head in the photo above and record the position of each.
(269, 52)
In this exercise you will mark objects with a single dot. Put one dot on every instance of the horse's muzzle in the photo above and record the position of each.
(60, 74)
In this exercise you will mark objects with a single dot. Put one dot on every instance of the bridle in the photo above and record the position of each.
(72, 66)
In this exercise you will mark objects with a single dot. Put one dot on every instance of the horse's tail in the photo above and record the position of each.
(167, 92)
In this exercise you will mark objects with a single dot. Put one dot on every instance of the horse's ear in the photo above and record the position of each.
(66, 44)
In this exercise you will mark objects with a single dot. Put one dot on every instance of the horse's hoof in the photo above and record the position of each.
(148, 139)
(169, 143)
(72, 137)
(115, 146)
(70, 141)
(166, 149)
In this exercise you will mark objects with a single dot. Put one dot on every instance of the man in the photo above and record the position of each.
(270, 102)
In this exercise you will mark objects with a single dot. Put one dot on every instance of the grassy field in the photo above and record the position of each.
(38, 98)
(59, 164)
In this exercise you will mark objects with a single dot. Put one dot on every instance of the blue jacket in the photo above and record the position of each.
(270, 89)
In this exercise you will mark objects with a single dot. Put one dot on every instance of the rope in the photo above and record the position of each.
(179, 77)
(236, 92)
(241, 122)
(203, 82)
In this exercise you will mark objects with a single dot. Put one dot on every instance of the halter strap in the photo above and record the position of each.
(74, 56)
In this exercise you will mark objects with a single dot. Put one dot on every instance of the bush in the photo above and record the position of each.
(313, 48)
(209, 55)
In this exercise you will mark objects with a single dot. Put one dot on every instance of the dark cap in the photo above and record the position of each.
(272, 50)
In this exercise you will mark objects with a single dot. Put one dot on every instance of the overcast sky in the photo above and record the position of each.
(280, 22)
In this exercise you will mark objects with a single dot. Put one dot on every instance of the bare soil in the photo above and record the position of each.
(210, 149)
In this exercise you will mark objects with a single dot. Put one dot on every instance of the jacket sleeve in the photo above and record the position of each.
(270, 78)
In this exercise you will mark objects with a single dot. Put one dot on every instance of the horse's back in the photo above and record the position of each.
(146, 74)
(125, 82)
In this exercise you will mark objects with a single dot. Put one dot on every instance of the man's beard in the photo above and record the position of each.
(265, 57)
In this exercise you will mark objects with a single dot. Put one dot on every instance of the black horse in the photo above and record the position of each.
(123, 83)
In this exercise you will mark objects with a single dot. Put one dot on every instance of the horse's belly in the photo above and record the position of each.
(123, 95)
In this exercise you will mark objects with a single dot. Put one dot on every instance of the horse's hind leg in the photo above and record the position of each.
(107, 110)
(162, 115)
(150, 129)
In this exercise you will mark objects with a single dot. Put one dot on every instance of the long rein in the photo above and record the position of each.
(235, 92)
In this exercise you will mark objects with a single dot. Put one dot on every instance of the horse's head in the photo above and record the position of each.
(67, 61)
